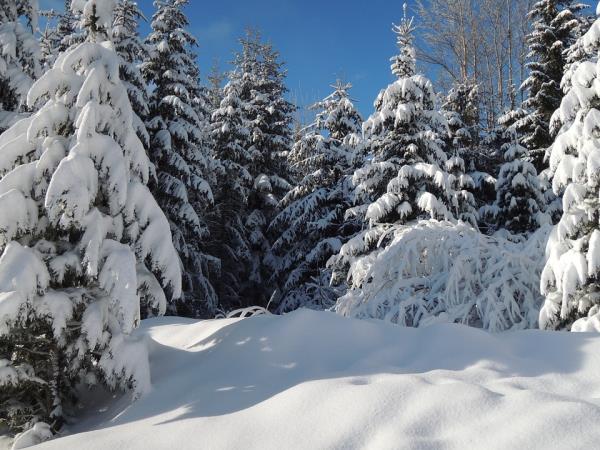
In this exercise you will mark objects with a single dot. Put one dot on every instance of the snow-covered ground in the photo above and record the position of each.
(315, 380)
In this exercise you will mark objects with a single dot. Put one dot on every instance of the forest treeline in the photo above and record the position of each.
(131, 186)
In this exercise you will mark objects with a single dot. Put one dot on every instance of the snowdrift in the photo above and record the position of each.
(315, 380)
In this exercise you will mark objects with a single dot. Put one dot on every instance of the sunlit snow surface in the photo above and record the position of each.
(314, 380)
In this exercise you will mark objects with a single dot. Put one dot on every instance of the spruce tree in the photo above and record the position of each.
(405, 136)
(67, 29)
(571, 277)
(252, 137)
(404, 179)
(179, 150)
(229, 236)
(405, 175)
(19, 56)
(471, 185)
(215, 86)
(575, 54)
(270, 118)
(49, 40)
(556, 27)
(461, 109)
(461, 187)
(132, 50)
(311, 227)
(83, 244)
(519, 200)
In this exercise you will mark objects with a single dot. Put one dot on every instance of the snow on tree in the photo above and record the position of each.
(571, 277)
(228, 235)
(83, 243)
(461, 112)
(19, 56)
(132, 50)
(447, 272)
(576, 54)
(311, 226)
(461, 109)
(269, 115)
(179, 150)
(556, 27)
(253, 138)
(215, 86)
(68, 29)
(463, 206)
(519, 201)
(35, 435)
(49, 39)
(404, 177)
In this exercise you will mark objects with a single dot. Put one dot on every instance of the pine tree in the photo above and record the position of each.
(575, 54)
(470, 184)
(252, 137)
(461, 187)
(519, 200)
(229, 235)
(68, 32)
(404, 178)
(556, 27)
(270, 118)
(571, 277)
(83, 243)
(179, 150)
(215, 87)
(130, 47)
(19, 58)
(461, 109)
(405, 138)
(311, 227)
(49, 40)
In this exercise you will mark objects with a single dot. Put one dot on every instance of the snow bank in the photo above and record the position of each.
(316, 380)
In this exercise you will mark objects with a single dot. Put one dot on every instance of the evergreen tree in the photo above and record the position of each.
(179, 150)
(132, 50)
(215, 86)
(556, 27)
(461, 187)
(519, 200)
(229, 235)
(405, 135)
(471, 185)
(83, 243)
(49, 40)
(19, 56)
(575, 54)
(252, 140)
(68, 32)
(461, 109)
(404, 179)
(311, 226)
(270, 118)
(571, 277)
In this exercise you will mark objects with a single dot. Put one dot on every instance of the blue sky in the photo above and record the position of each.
(319, 40)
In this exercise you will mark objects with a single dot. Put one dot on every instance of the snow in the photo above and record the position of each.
(316, 380)
(441, 271)
(38, 433)
(569, 279)
(103, 10)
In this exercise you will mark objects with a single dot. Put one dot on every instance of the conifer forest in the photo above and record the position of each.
(194, 258)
